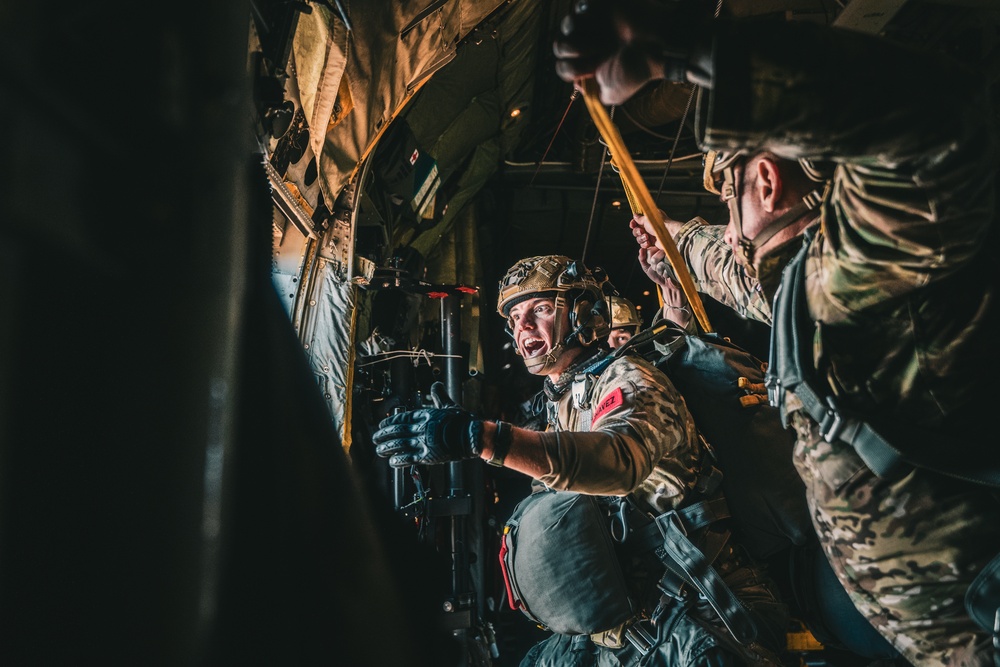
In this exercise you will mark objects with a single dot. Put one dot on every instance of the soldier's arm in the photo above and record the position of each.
(713, 267)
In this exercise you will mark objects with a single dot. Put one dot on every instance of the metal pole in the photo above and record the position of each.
(402, 387)
(450, 345)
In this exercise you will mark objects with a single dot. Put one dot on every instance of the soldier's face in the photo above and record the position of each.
(534, 324)
(619, 337)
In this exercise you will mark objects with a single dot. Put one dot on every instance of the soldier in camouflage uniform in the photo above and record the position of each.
(627, 433)
(900, 295)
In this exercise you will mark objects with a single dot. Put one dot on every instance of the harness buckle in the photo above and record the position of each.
(639, 637)
(669, 517)
(832, 424)
(775, 393)
(582, 385)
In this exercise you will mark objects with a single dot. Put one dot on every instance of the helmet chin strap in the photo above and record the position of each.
(544, 364)
(748, 248)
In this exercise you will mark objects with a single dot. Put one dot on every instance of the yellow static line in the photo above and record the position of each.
(635, 186)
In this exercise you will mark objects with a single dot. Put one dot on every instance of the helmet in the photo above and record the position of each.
(575, 289)
(716, 162)
(624, 313)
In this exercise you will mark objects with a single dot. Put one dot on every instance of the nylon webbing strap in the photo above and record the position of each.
(882, 458)
(693, 517)
(636, 188)
(688, 562)
(790, 373)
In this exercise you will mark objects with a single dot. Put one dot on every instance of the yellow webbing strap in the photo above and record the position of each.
(639, 198)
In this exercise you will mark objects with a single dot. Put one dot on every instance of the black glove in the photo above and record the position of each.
(625, 44)
(430, 435)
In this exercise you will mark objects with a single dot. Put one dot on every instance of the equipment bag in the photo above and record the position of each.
(559, 564)
(723, 386)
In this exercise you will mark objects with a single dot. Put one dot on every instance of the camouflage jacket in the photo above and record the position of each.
(897, 279)
(632, 433)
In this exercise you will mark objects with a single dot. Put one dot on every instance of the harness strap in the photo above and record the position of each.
(688, 567)
(697, 516)
(685, 560)
(788, 371)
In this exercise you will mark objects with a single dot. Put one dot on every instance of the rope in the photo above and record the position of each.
(416, 355)
(677, 138)
(572, 98)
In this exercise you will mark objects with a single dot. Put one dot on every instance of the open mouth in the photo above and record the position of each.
(532, 347)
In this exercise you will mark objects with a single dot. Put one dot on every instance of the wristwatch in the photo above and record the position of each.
(501, 443)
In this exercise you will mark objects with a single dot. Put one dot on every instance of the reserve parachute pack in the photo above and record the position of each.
(583, 590)
(562, 556)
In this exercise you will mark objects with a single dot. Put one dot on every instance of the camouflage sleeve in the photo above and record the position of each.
(912, 195)
(715, 272)
(640, 439)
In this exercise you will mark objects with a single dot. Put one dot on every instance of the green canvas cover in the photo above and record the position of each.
(560, 565)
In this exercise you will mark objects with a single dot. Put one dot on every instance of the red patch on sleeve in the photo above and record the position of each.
(607, 404)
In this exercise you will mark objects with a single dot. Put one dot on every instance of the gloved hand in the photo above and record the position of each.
(440, 434)
(625, 44)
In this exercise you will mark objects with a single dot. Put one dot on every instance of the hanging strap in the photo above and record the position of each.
(687, 565)
(640, 199)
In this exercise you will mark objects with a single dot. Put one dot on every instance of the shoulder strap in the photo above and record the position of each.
(788, 370)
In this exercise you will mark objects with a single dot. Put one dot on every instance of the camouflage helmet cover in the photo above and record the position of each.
(573, 285)
(544, 273)
(624, 313)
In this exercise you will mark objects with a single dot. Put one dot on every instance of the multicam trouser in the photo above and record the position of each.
(905, 550)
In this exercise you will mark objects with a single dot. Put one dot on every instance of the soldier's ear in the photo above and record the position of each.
(767, 184)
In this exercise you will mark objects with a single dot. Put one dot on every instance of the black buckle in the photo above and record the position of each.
(832, 424)
(639, 637)
(669, 517)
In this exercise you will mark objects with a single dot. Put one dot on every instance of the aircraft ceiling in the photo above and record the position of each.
(470, 87)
